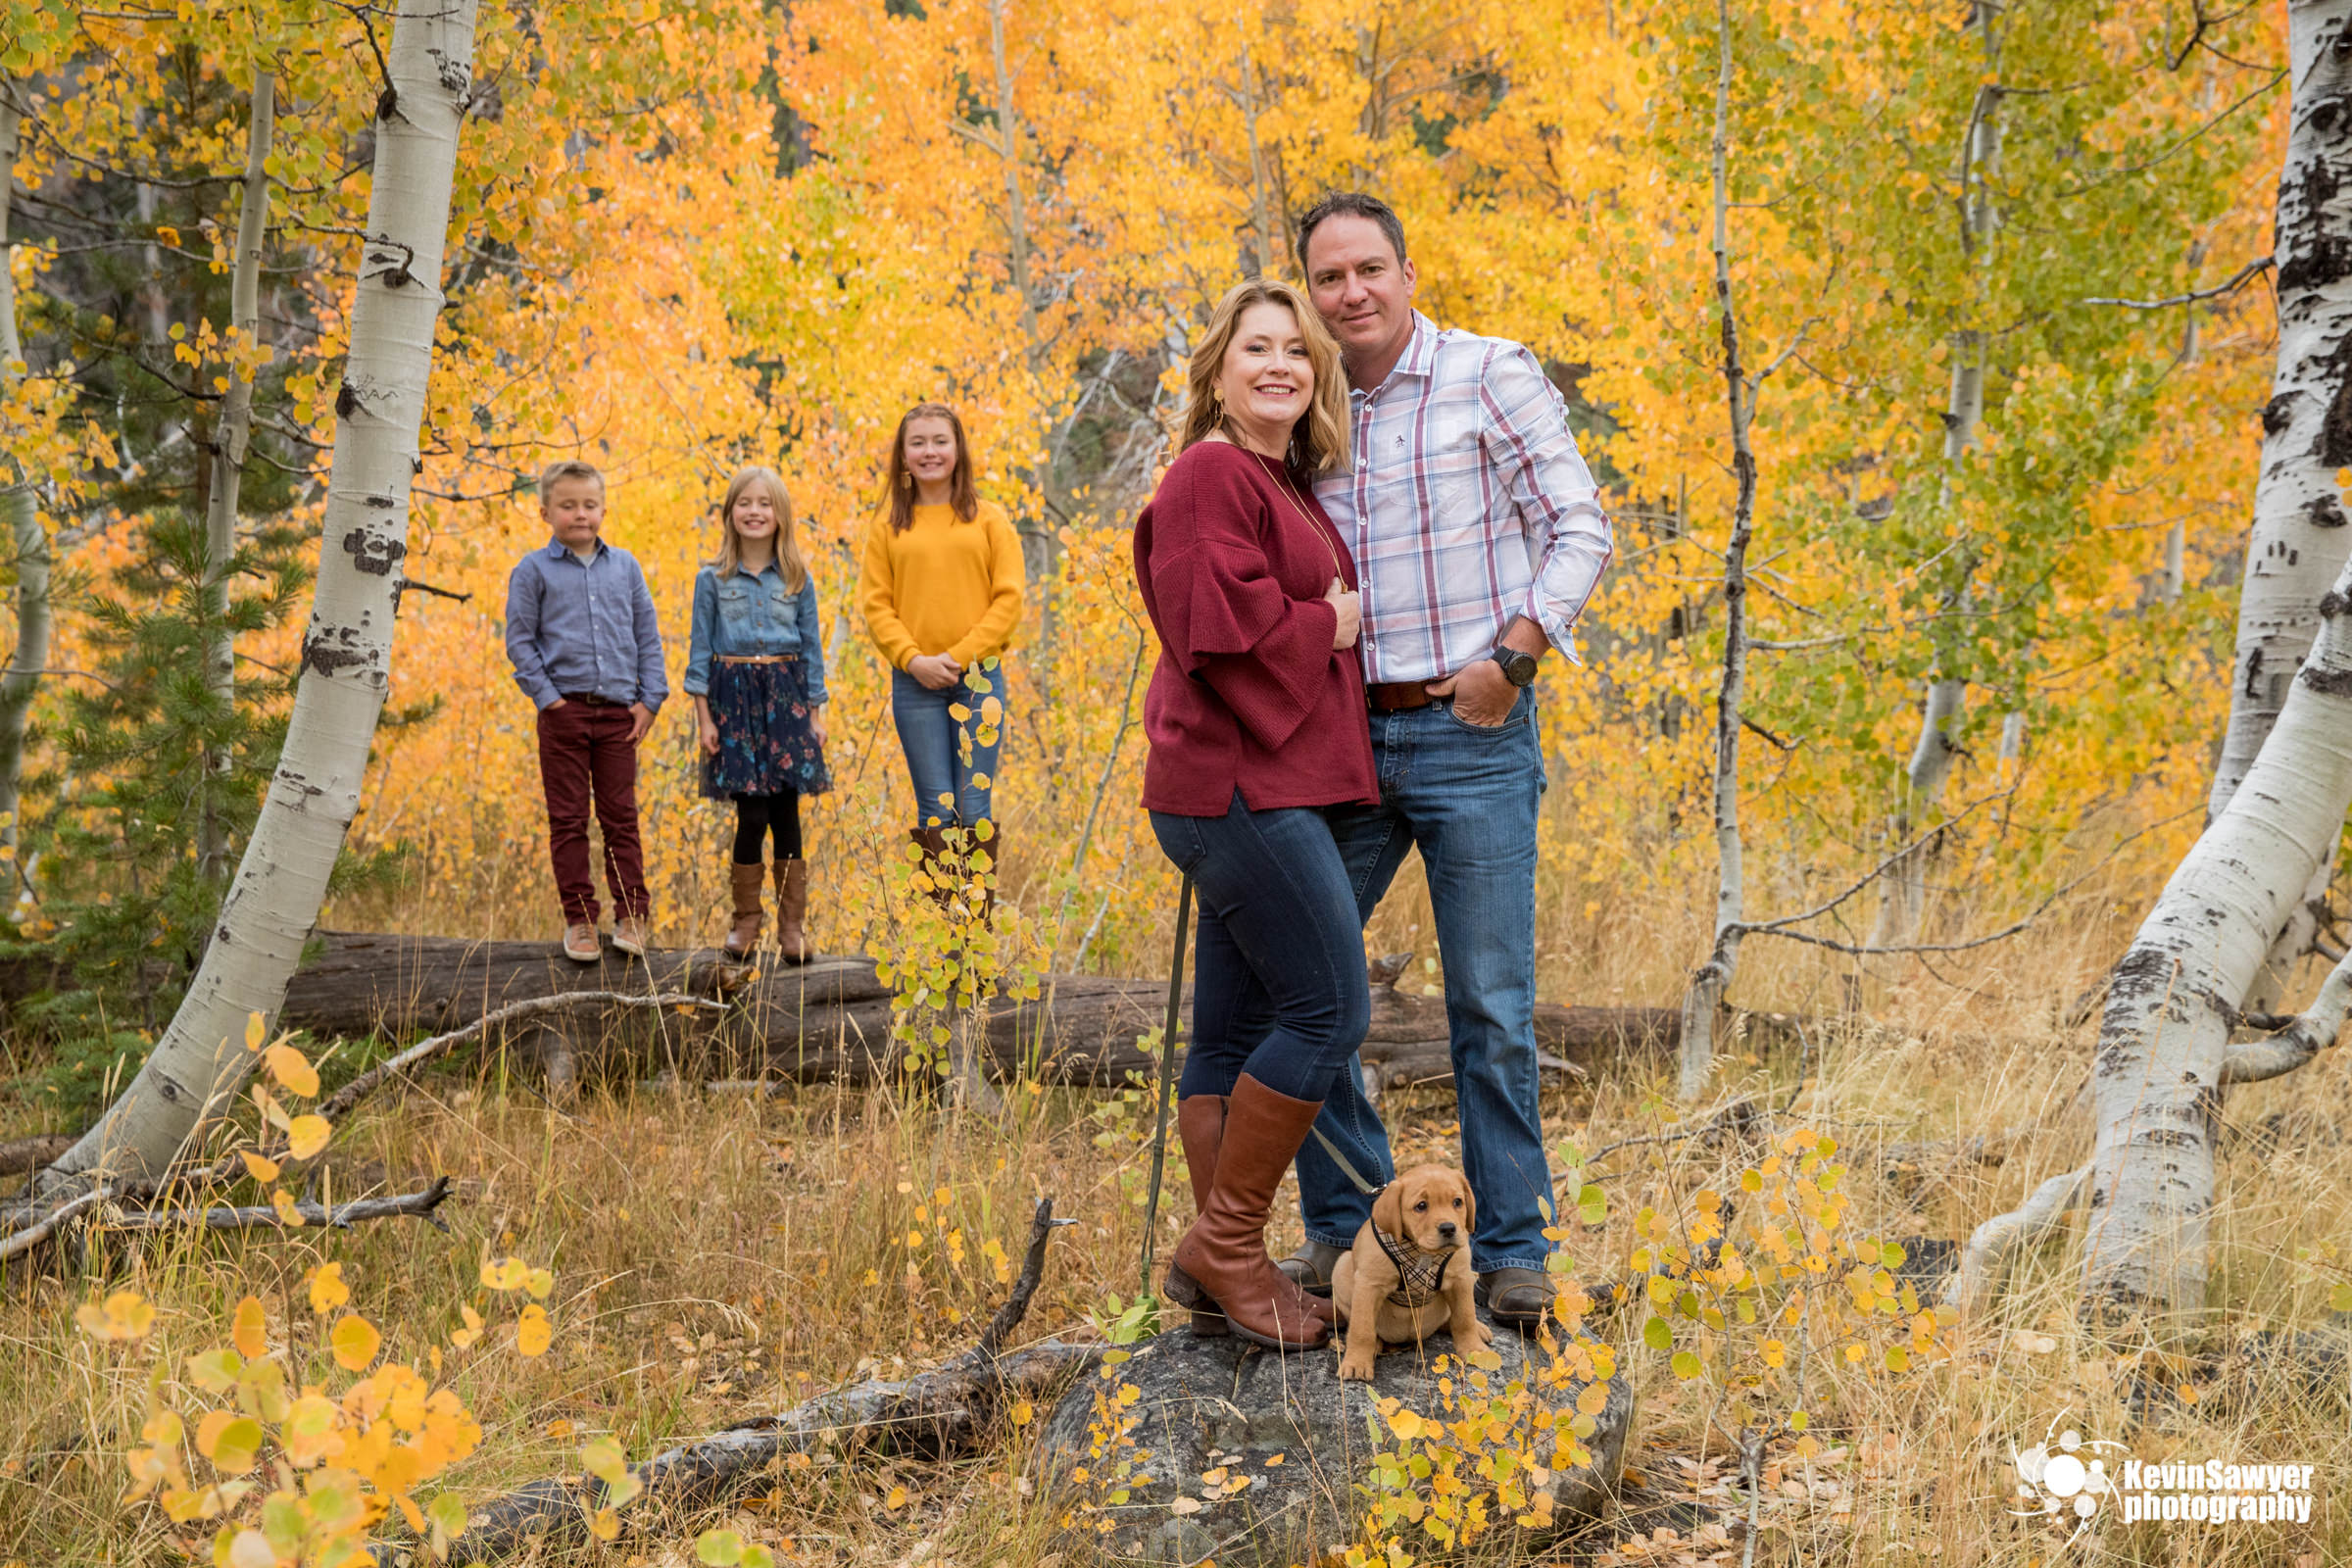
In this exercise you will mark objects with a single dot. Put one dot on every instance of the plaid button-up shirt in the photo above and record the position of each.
(1468, 505)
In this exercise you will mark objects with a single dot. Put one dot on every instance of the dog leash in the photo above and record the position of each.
(1167, 1052)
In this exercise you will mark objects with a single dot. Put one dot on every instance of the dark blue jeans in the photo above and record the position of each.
(1279, 990)
(946, 759)
(1466, 796)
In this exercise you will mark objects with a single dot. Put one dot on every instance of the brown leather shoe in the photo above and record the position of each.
(1223, 1256)
(742, 881)
(1519, 1297)
(792, 910)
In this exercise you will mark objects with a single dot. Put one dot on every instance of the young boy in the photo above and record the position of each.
(580, 632)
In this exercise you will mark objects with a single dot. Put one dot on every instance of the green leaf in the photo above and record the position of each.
(1657, 1334)
(1686, 1365)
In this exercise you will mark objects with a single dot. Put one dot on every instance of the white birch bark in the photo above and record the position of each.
(231, 434)
(1903, 894)
(272, 904)
(2299, 538)
(22, 519)
(1713, 977)
(2164, 1044)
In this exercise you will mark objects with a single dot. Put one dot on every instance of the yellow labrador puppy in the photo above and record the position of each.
(1397, 1285)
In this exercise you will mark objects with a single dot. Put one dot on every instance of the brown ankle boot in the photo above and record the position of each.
(744, 935)
(1223, 1258)
(792, 910)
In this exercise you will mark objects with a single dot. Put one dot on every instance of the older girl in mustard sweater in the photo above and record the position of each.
(941, 594)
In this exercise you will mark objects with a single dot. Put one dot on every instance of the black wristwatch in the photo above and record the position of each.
(1518, 667)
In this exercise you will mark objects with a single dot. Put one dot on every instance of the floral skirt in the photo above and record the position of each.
(766, 742)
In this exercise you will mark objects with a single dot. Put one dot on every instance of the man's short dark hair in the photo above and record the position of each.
(1350, 203)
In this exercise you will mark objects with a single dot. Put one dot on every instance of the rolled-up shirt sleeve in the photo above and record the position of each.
(1226, 621)
(1528, 441)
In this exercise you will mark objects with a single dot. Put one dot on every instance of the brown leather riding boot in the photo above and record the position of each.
(1200, 1124)
(792, 910)
(1223, 1258)
(744, 935)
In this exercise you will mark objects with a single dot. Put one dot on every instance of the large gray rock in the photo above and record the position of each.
(1251, 1459)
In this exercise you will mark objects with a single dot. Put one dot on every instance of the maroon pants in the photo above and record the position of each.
(585, 751)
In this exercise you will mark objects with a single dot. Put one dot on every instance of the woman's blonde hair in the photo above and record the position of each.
(1319, 439)
(795, 570)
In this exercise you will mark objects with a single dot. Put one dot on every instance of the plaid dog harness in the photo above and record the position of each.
(1420, 1276)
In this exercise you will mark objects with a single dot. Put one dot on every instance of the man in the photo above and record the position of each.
(1479, 536)
(581, 635)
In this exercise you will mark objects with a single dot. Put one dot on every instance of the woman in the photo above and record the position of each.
(1255, 717)
(941, 594)
(755, 670)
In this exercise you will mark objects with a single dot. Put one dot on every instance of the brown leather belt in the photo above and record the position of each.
(590, 700)
(759, 659)
(1398, 696)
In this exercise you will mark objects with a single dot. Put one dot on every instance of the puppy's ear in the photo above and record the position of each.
(1469, 1207)
(1387, 1209)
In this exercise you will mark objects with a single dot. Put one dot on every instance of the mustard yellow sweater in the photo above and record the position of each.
(942, 586)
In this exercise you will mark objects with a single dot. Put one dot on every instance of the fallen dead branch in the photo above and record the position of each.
(337, 1216)
(948, 1410)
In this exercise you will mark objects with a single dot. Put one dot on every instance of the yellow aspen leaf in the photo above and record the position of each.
(507, 1274)
(539, 1282)
(719, 1548)
(533, 1333)
(125, 1316)
(328, 1288)
(1023, 1412)
(1405, 1424)
(355, 1343)
(292, 1071)
(235, 1445)
(604, 1524)
(463, 1338)
(897, 1497)
(259, 1167)
(288, 1213)
(250, 1328)
(255, 1031)
(306, 1136)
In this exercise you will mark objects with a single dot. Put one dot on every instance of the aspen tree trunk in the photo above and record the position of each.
(22, 519)
(1904, 894)
(2164, 1043)
(2299, 539)
(1714, 977)
(230, 438)
(272, 904)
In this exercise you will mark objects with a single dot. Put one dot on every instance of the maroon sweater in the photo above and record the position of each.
(1248, 693)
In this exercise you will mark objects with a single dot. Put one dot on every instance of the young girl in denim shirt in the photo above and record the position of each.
(755, 670)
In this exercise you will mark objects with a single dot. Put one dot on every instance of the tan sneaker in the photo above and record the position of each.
(628, 935)
(580, 944)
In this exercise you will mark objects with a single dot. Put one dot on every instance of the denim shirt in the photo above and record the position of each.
(578, 626)
(747, 616)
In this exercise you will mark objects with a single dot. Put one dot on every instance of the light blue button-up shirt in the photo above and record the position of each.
(578, 626)
(752, 616)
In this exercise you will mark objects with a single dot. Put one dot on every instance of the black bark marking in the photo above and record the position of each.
(2254, 673)
(347, 402)
(2321, 512)
(2327, 682)
(2278, 413)
(373, 553)
(327, 653)
(2332, 605)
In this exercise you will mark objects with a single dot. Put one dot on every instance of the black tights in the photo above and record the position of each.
(756, 815)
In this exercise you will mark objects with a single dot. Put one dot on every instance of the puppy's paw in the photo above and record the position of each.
(1479, 1338)
(1355, 1366)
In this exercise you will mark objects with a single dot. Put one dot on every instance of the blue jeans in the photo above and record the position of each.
(1466, 796)
(945, 754)
(1279, 990)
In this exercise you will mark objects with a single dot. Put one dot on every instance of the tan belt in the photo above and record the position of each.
(759, 659)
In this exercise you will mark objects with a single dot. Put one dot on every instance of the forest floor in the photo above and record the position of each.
(719, 1254)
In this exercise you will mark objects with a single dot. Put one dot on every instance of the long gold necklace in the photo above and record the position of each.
(1284, 487)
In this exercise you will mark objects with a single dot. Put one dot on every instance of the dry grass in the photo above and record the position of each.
(718, 1255)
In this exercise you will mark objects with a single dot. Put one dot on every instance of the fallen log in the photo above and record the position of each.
(831, 1020)
(953, 1409)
